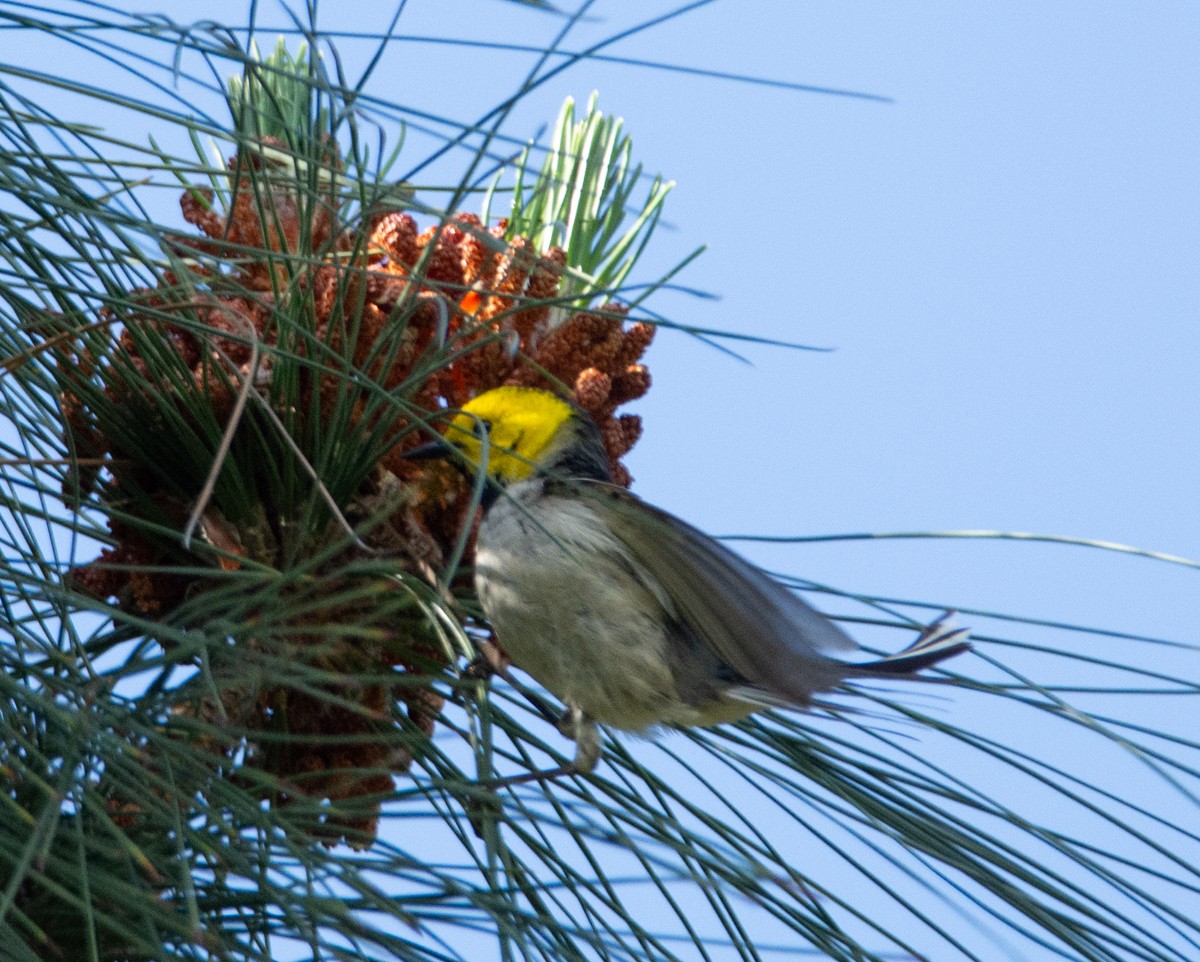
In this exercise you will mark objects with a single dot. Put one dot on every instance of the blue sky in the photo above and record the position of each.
(1002, 260)
(1001, 255)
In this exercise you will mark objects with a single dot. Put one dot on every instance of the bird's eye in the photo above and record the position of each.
(482, 427)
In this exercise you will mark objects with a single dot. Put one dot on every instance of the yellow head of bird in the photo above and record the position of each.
(514, 430)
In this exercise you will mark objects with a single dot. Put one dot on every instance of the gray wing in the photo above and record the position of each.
(750, 621)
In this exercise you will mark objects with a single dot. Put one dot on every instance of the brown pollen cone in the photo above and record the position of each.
(358, 332)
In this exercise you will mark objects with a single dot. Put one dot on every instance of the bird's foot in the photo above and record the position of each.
(574, 724)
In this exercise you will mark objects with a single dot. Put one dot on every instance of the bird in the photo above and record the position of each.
(631, 617)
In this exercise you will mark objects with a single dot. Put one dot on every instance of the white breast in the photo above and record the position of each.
(574, 611)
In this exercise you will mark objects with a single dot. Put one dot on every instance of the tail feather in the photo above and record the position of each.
(939, 641)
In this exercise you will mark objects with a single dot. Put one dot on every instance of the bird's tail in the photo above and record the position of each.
(942, 639)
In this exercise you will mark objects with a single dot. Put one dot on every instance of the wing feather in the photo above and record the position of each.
(754, 624)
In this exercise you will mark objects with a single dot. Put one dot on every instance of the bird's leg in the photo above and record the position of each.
(586, 736)
(574, 724)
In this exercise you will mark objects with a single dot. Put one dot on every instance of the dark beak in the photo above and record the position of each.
(430, 452)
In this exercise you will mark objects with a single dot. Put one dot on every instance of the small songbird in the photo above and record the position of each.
(630, 616)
